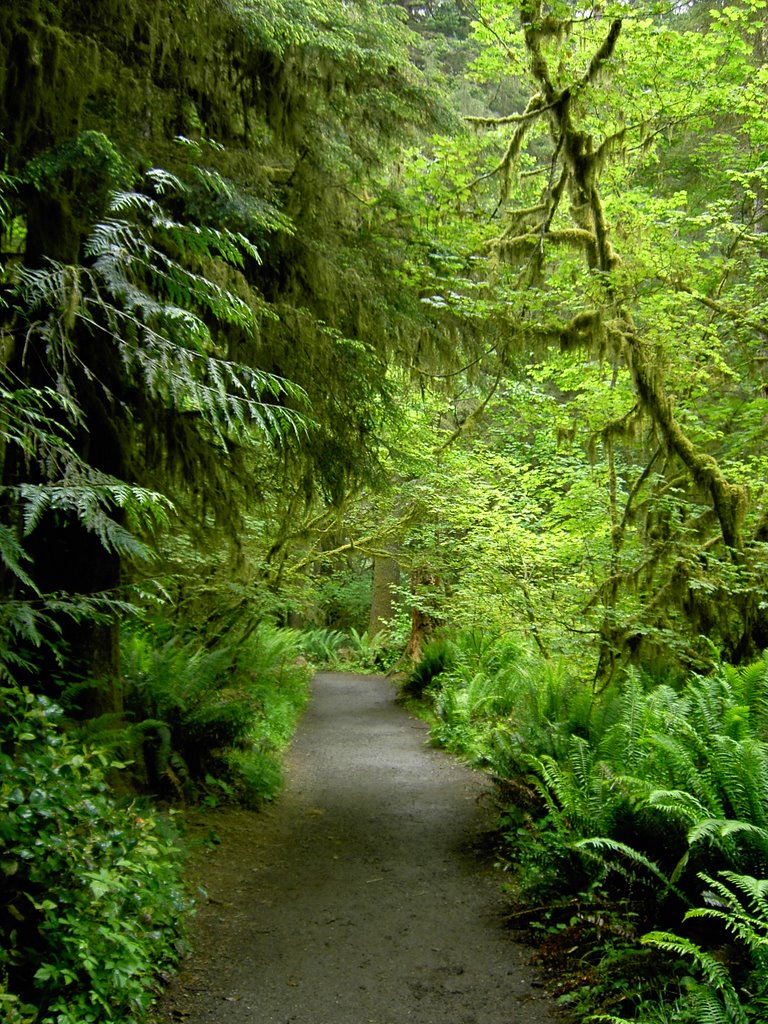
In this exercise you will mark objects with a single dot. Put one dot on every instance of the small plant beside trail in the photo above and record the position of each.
(436, 659)
(635, 827)
(93, 904)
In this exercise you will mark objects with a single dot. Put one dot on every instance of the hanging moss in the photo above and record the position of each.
(578, 160)
(584, 330)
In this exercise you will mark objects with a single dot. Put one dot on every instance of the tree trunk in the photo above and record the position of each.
(386, 577)
(423, 621)
(81, 651)
(83, 656)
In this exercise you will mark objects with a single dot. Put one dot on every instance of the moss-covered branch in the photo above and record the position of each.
(584, 161)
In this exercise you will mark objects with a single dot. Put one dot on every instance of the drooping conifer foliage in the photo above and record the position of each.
(192, 236)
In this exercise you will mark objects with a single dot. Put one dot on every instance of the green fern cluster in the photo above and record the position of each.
(693, 769)
(643, 792)
(732, 984)
(320, 646)
(214, 717)
(504, 703)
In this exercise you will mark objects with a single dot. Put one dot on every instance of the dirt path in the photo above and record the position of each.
(356, 899)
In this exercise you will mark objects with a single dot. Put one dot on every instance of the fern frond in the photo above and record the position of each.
(680, 805)
(680, 762)
(604, 845)
(595, 787)
(718, 1008)
(717, 998)
(749, 683)
(12, 554)
(749, 923)
(716, 974)
(580, 792)
(36, 501)
(199, 240)
(232, 397)
(622, 743)
(53, 286)
(740, 770)
(8, 184)
(216, 183)
(724, 828)
(89, 607)
(754, 889)
(706, 700)
(546, 779)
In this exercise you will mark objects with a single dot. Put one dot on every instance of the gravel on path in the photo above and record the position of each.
(356, 898)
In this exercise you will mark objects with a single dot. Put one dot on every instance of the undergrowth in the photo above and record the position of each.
(93, 904)
(634, 828)
(93, 907)
(213, 719)
(348, 650)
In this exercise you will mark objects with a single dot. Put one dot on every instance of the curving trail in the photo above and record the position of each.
(356, 898)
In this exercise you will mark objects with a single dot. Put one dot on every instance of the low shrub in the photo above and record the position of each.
(93, 902)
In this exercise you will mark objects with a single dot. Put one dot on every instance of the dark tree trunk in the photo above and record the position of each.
(84, 656)
(423, 623)
(81, 653)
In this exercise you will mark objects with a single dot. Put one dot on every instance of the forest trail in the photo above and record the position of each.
(356, 898)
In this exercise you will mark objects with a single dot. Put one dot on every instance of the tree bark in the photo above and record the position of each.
(423, 622)
(386, 576)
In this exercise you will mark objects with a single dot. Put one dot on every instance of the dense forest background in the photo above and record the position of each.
(428, 337)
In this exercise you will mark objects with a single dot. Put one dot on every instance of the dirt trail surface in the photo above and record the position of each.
(356, 899)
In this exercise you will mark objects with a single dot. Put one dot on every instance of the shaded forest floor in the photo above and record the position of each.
(359, 897)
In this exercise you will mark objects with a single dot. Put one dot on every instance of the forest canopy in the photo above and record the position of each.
(472, 290)
(189, 245)
(596, 238)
